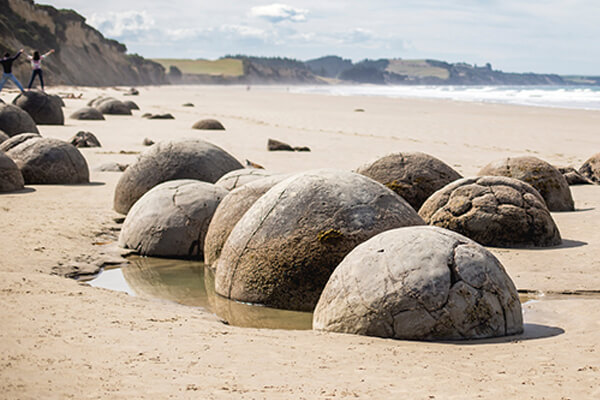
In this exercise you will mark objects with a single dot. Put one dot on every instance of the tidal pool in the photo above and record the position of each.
(191, 283)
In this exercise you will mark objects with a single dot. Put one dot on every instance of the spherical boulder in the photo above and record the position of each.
(131, 105)
(494, 211)
(546, 179)
(414, 176)
(239, 177)
(171, 219)
(420, 283)
(88, 114)
(11, 178)
(49, 161)
(591, 168)
(113, 107)
(43, 108)
(171, 160)
(232, 208)
(283, 250)
(3, 136)
(209, 124)
(85, 139)
(14, 120)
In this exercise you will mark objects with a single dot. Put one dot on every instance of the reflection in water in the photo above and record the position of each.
(191, 284)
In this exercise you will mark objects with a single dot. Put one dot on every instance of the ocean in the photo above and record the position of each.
(577, 97)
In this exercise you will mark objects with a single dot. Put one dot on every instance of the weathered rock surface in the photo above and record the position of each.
(276, 145)
(171, 160)
(209, 124)
(14, 120)
(413, 176)
(17, 140)
(49, 161)
(43, 108)
(113, 107)
(574, 177)
(591, 168)
(232, 208)
(85, 139)
(494, 211)
(88, 114)
(171, 219)
(240, 177)
(132, 105)
(160, 116)
(111, 167)
(3, 136)
(283, 250)
(420, 283)
(546, 179)
(11, 178)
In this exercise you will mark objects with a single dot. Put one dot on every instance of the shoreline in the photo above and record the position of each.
(61, 338)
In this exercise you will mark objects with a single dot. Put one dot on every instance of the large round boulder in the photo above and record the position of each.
(14, 120)
(171, 160)
(232, 208)
(11, 178)
(132, 105)
(546, 179)
(209, 124)
(171, 219)
(46, 160)
(88, 114)
(113, 107)
(494, 211)
(283, 250)
(414, 176)
(420, 283)
(239, 177)
(43, 108)
(591, 168)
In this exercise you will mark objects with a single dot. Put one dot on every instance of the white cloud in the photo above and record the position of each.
(123, 24)
(279, 12)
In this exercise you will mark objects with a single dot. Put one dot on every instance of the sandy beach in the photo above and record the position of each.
(65, 339)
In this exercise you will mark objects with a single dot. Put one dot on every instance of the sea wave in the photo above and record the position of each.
(577, 97)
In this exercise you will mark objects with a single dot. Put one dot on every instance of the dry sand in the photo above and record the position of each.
(64, 339)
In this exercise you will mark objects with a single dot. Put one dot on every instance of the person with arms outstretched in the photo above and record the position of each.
(36, 65)
(7, 62)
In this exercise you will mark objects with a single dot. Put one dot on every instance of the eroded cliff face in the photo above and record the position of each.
(83, 56)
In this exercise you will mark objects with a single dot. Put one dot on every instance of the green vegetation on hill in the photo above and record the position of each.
(416, 68)
(223, 66)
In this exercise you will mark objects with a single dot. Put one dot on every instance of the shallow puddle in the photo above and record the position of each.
(190, 283)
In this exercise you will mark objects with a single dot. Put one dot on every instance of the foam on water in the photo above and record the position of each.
(577, 97)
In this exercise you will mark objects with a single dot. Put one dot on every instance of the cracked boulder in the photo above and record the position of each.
(574, 177)
(88, 114)
(420, 283)
(414, 176)
(14, 120)
(48, 161)
(283, 250)
(230, 210)
(171, 219)
(11, 178)
(85, 139)
(494, 211)
(171, 160)
(43, 108)
(591, 168)
(546, 179)
(239, 177)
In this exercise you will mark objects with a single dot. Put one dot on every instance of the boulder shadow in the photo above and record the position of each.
(566, 244)
(25, 190)
(87, 184)
(530, 332)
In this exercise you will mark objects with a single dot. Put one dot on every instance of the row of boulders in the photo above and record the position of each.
(277, 239)
(277, 145)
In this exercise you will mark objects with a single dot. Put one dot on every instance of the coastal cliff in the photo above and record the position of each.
(83, 55)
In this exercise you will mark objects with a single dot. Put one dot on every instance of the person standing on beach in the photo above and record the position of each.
(7, 62)
(36, 65)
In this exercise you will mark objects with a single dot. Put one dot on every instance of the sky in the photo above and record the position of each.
(544, 36)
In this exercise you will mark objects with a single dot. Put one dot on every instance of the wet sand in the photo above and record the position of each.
(64, 339)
